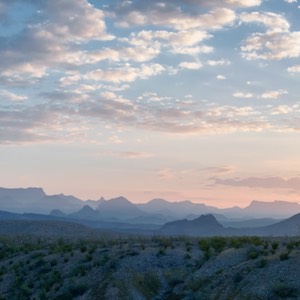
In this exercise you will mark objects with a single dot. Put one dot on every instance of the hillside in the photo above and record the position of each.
(149, 268)
(205, 225)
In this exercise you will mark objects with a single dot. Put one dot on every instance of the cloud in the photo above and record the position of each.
(221, 77)
(138, 13)
(125, 73)
(222, 62)
(9, 96)
(243, 95)
(294, 69)
(281, 110)
(274, 22)
(264, 182)
(277, 43)
(52, 39)
(290, 1)
(273, 94)
(191, 65)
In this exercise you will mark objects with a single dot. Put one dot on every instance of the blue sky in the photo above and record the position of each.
(191, 99)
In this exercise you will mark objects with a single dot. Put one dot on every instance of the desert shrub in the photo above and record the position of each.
(187, 256)
(262, 263)
(147, 284)
(161, 251)
(218, 243)
(71, 291)
(252, 253)
(78, 270)
(284, 255)
(275, 245)
(204, 245)
(284, 290)
(175, 276)
(290, 245)
(197, 284)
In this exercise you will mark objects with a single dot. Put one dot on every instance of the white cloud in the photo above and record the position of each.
(222, 62)
(294, 69)
(290, 1)
(281, 110)
(191, 65)
(221, 77)
(276, 43)
(273, 94)
(243, 95)
(173, 17)
(6, 95)
(274, 22)
(125, 73)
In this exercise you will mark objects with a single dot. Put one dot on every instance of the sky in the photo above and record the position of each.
(177, 99)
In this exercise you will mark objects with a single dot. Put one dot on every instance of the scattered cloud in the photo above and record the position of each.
(221, 77)
(273, 94)
(294, 69)
(222, 62)
(243, 95)
(281, 110)
(9, 96)
(277, 43)
(191, 65)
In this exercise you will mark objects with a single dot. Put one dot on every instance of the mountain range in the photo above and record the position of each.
(35, 200)
(158, 215)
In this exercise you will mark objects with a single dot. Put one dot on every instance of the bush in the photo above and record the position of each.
(285, 291)
(252, 253)
(284, 256)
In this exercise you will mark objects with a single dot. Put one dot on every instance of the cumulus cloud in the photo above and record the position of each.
(243, 95)
(281, 110)
(138, 13)
(53, 41)
(125, 74)
(191, 65)
(277, 43)
(273, 94)
(221, 77)
(222, 62)
(294, 69)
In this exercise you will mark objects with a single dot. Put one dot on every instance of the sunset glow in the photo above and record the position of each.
(181, 100)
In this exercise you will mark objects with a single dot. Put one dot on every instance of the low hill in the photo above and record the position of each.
(119, 208)
(48, 229)
(205, 225)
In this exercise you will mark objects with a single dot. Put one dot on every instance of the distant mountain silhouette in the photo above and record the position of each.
(119, 208)
(176, 209)
(57, 213)
(19, 199)
(156, 211)
(49, 228)
(278, 209)
(35, 200)
(86, 213)
(205, 225)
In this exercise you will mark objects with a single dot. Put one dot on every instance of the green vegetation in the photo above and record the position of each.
(166, 267)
